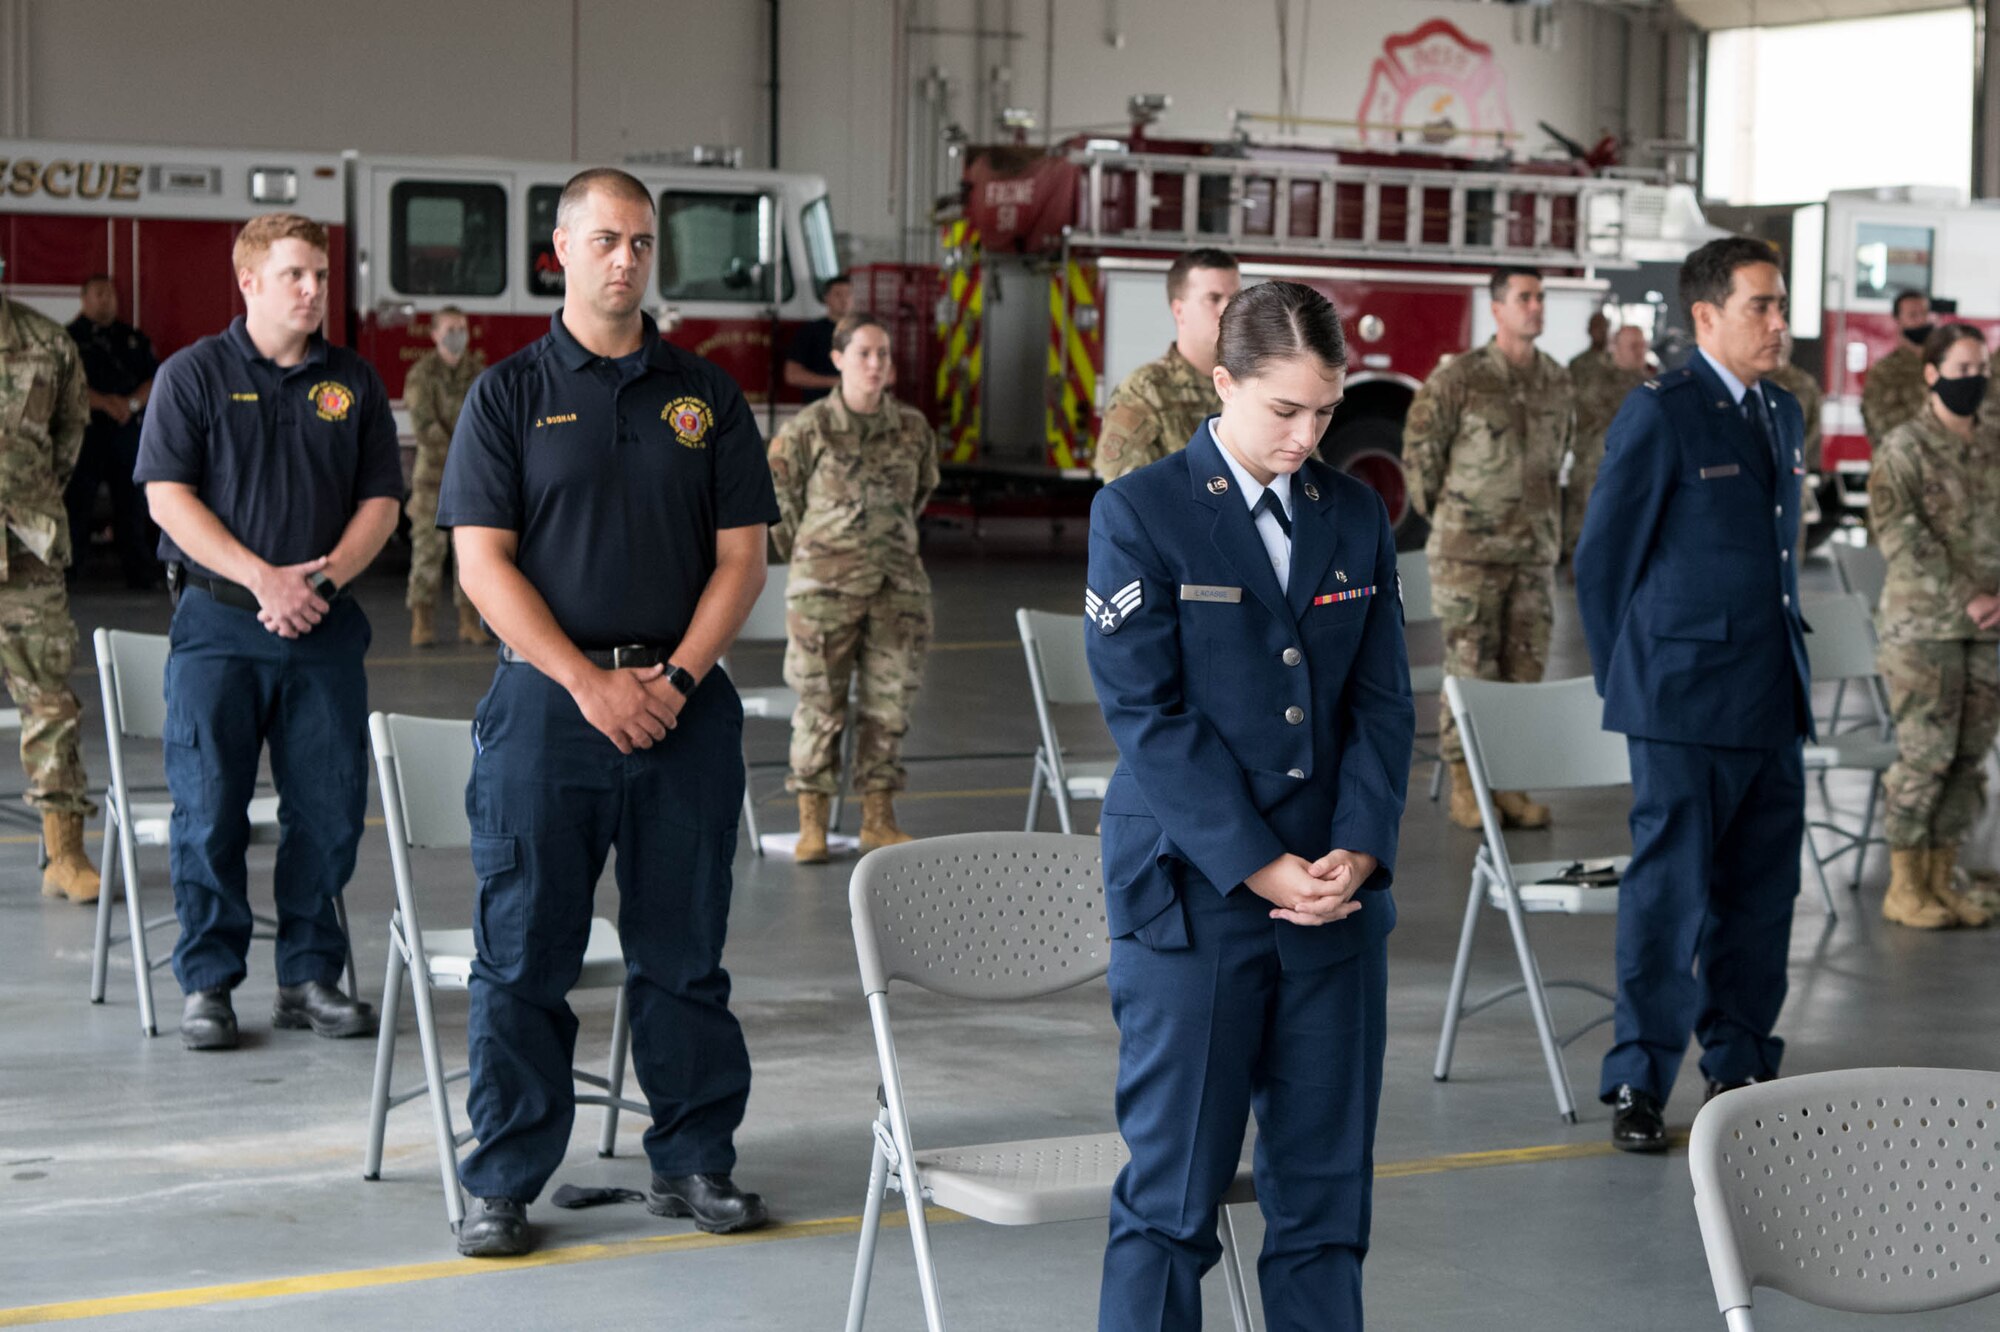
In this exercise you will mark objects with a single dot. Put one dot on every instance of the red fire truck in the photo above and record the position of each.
(1052, 285)
(1847, 258)
(743, 255)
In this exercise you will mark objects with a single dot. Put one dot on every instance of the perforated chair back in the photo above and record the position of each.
(136, 680)
(1863, 570)
(1841, 645)
(1054, 645)
(1873, 1190)
(431, 763)
(993, 915)
(1414, 569)
(766, 621)
(1537, 737)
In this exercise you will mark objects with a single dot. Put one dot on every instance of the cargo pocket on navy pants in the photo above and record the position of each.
(499, 924)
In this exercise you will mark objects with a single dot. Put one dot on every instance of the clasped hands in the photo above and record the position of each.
(1313, 892)
(1984, 611)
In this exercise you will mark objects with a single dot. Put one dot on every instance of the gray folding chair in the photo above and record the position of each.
(987, 917)
(1544, 737)
(1866, 1190)
(1058, 675)
(132, 682)
(423, 765)
(11, 808)
(1414, 572)
(1861, 570)
(1841, 648)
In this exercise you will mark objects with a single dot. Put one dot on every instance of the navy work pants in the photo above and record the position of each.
(1208, 1034)
(1705, 912)
(550, 798)
(234, 687)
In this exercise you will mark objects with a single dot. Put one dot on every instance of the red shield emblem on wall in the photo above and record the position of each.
(1438, 81)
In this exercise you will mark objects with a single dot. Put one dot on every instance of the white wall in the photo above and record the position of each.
(494, 77)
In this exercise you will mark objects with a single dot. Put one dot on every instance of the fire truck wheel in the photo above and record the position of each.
(1370, 449)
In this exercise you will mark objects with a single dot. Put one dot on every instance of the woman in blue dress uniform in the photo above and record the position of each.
(1246, 640)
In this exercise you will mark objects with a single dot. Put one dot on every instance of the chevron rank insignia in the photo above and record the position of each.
(1108, 613)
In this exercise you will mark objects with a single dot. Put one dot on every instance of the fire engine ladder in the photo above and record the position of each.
(1405, 213)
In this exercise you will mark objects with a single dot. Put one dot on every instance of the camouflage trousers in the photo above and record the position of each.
(1946, 699)
(1495, 620)
(429, 549)
(37, 649)
(877, 642)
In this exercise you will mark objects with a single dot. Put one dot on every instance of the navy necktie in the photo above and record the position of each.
(1268, 503)
(1759, 417)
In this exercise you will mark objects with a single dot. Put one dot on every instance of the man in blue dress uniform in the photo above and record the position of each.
(1688, 589)
(270, 463)
(608, 497)
(1246, 642)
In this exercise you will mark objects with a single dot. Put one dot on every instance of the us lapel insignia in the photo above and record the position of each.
(1218, 485)
(1312, 491)
(1340, 574)
(1108, 613)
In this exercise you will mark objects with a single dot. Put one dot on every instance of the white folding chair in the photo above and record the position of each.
(987, 917)
(1867, 1190)
(1413, 570)
(423, 765)
(132, 680)
(11, 808)
(1058, 675)
(1544, 737)
(1841, 648)
(1861, 570)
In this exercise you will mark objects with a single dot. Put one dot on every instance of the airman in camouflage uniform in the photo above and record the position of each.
(850, 489)
(1934, 506)
(1483, 448)
(1600, 379)
(434, 391)
(1158, 407)
(1894, 389)
(44, 408)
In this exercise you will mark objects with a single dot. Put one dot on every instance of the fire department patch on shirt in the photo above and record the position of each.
(690, 418)
(1108, 613)
(332, 401)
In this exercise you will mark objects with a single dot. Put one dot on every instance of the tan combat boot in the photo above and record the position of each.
(811, 849)
(423, 629)
(1517, 811)
(1943, 866)
(878, 822)
(469, 628)
(1464, 804)
(70, 873)
(1908, 901)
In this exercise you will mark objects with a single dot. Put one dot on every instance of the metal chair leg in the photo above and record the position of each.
(135, 915)
(385, 1061)
(621, 1044)
(1437, 779)
(1867, 828)
(353, 978)
(434, 1080)
(871, 1229)
(1819, 872)
(100, 953)
(1232, 1271)
(1538, 1004)
(1035, 781)
(1454, 1004)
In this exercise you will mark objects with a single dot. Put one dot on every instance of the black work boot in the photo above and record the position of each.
(715, 1203)
(495, 1228)
(208, 1022)
(1638, 1120)
(324, 1009)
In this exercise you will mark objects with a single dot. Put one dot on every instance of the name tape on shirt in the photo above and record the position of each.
(1332, 597)
(1108, 613)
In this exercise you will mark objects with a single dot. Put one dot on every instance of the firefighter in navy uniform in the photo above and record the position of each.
(609, 501)
(270, 462)
(1247, 648)
(118, 361)
(1687, 584)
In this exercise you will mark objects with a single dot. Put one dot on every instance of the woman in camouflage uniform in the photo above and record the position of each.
(853, 471)
(1932, 497)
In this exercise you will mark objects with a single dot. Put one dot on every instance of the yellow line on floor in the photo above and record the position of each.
(365, 1278)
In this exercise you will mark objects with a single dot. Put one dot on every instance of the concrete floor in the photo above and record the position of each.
(133, 1174)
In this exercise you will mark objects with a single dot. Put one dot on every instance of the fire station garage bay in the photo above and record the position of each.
(1000, 664)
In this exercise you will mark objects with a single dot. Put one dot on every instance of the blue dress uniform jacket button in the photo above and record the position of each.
(1295, 715)
(1292, 656)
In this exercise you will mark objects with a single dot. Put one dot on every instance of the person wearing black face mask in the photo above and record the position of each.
(1894, 391)
(1934, 505)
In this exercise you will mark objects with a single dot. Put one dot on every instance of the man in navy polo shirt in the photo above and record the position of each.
(270, 463)
(608, 500)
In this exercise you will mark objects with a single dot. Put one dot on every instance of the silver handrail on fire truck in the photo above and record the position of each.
(1479, 207)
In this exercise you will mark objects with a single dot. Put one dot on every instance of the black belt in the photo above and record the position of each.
(229, 594)
(630, 655)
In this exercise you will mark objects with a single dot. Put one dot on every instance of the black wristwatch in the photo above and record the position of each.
(680, 678)
(323, 587)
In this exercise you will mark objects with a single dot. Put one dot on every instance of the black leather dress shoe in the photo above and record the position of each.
(1638, 1122)
(324, 1009)
(1716, 1089)
(208, 1022)
(715, 1203)
(495, 1228)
